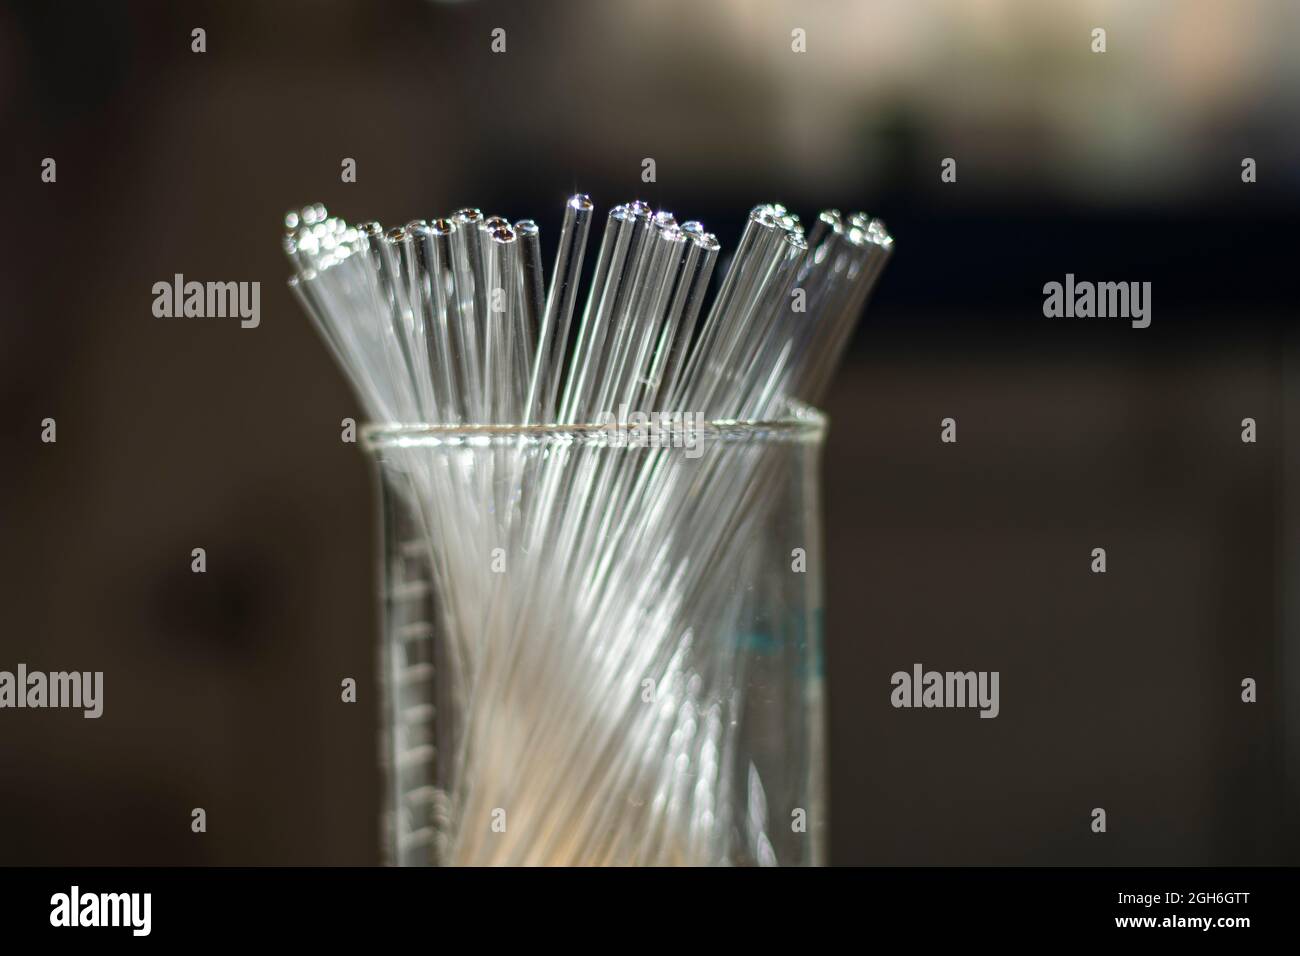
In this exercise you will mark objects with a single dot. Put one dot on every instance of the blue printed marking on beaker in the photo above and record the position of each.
(805, 643)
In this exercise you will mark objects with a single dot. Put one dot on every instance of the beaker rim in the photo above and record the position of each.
(801, 424)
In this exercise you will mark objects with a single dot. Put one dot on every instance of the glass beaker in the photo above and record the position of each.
(602, 643)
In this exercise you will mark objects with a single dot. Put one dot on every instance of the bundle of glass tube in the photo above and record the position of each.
(451, 323)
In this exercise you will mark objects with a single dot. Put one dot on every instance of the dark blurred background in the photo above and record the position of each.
(1119, 690)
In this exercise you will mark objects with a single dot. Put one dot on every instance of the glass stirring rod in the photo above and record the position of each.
(553, 332)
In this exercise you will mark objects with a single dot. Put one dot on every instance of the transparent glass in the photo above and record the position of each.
(603, 646)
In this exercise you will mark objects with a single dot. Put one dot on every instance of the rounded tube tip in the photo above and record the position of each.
(832, 219)
(707, 241)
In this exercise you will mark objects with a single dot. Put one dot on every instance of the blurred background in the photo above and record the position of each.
(1119, 690)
